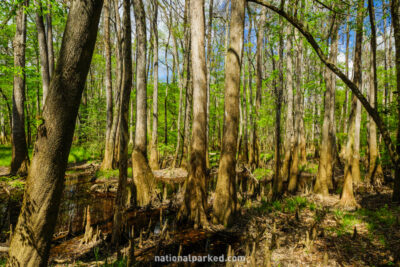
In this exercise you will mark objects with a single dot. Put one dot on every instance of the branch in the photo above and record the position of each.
(353, 87)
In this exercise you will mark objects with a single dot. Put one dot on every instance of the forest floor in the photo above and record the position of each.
(300, 230)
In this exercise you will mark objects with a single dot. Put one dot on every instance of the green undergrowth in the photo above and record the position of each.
(288, 205)
(108, 174)
(261, 173)
(77, 154)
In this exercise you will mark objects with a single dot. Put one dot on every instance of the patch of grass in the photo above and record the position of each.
(262, 173)
(383, 217)
(77, 154)
(297, 202)
(3, 261)
(111, 173)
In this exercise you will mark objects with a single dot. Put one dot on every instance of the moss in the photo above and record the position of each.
(262, 173)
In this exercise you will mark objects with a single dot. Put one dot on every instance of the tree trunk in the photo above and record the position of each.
(195, 195)
(326, 159)
(20, 158)
(153, 162)
(43, 50)
(375, 169)
(50, 48)
(277, 185)
(395, 10)
(259, 78)
(142, 175)
(224, 207)
(289, 124)
(109, 146)
(347, 196)
(209, 40)
(30, 244)
(120, 200)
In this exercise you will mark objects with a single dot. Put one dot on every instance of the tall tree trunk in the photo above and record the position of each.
(245, 144)
(224, 207)
(43, 50)
(259, 78)
(347, 196)
(120, 200)
(142, 175)
(30, 244)
(110, 160)
(109, 146)
(50, 48)
(395, 10)
(153, 162)
(289, 124)
(277, 185)
(250, 86)
(195, 195)
(375, 169)
(326, 159)
(209, 40)
(20, 158)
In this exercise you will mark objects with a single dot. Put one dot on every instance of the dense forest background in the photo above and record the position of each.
(280, 112)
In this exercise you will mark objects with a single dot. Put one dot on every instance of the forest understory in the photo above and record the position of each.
(303, 229)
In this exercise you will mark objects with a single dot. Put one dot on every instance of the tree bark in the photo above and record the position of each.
(20, 158)
(395, 10)
(50, 47)
(347, 196)
(142, 175)
(326, 159)
(120, 200)
(289, 124)
(109, 95)
(259, 78)
(195, 195)
(224, 207)
(374, 169)
(30, 244)
(153, 162)
(209, 50)
(43, 50)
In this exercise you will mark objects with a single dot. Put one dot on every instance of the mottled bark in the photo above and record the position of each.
(20, 159)
(120, 200)
(209, 50)
(259, 81)
(30, 244)
(374, 168)
(277, 186)
(325, 168)
(194, 205)
(395, 10)
(153, 161)
(108, 153)
(289, 124)
(43, 51)
(224, 207)
(142, 175)
(347, 196)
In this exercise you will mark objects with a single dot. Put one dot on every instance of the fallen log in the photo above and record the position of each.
(171, 176)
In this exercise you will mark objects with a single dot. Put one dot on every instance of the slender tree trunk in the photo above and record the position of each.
(395, 10)
(375, 169)
(289, 124)
(153, 162)
(195, 195)
(109, 146)
(43, 50)
(30, 244)
(209, 43)
(277, 186)
(20, 158)
(245, 144)
(259, 78)
(325, 168)
(142, 175)
(120, 200)
(50, 48)
(347, 196)
(224, 207)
